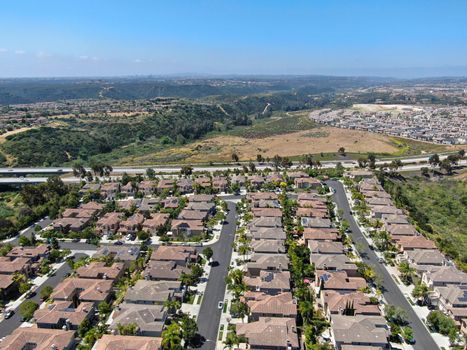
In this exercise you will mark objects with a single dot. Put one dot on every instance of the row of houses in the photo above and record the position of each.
(272, 308)
(354, 315)
(448, 285)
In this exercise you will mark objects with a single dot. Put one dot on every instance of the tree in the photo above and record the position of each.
(24, 241)
(407, 334)
(189, 328)
(396, 315)
(127, 329)
(308, 160)
(238, 309)
(277, 161)
(341, 151)
(235, 157)
(104, 309)
(172, 305)
(434, 160)
(78, 169)
(27, 309)
(259, 158)
(362, 162)
(234, 281)
(107, 170)
(371, 161)
(84, 327)
(186, 170)
(46, 292)
(233, 339)
(172, 337)
(439, 322)
(252, 167)
(420, 292)
(446, 166)
(425, 171)
(208, 253)
(461, 153)
(406, 272)
(151, 173)
(143, 235)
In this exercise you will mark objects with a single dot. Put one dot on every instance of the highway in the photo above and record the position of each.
(176, 168)
(391, 291)
(130, 170)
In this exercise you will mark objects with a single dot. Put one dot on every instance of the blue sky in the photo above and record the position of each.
(347, 37)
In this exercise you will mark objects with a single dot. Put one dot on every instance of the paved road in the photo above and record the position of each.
(9, 325)
(391, 291)
(28, 231)
(210, 315)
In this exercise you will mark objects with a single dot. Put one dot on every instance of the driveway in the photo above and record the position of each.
(391, 291)
(210, 315)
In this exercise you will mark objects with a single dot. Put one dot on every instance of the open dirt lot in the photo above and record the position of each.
(323, 139)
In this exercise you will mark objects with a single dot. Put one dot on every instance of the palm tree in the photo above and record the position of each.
(172, 337)
(244, 250)
(172, 305)
(406, 272)
(305, 308)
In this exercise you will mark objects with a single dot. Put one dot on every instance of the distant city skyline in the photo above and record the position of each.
(404, 39)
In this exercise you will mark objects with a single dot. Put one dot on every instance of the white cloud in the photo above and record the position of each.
(83, 57)
(137, 60)
(42, 54)
(3, 50)
(94, 58)
(20, 52)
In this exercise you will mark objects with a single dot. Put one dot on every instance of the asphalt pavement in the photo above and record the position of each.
(9, 325)
(391, 291)
(210, 314)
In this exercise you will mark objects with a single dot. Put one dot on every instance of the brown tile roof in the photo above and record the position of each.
(320, 234)
(92, 206)
(338, 280)
(336, 303)
(268, 280)
(272, 305)
(312, 212)
(270, 332)
(6, 281)
(61, 311)
(38, 338)
(256, 196)
(157, 220)
(267, 212)
(401, 230)
(201, 198)
(192, 224)
(186, 214)
(109, 219)
(148, 318)
(414, 242)
(268, 246)
(87, 289)
(9, 266)
(28, 252)
(99, 270)
(154, 292)
(79, 213)
(178, 253)
(325, 247)
(164, 270)
(125, 342)
(360, 329)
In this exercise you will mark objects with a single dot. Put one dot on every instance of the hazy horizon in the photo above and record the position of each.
(397, 39)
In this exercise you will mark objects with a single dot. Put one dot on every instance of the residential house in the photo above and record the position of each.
(315, 222)
(170, 202)
(187, 227)
(64, 315)
(182, 255)
(257, 196)
(206, 207)
(153, 292)
(325, 247)
(269, 222)
(11, 266)
(148, 205)
(203, 182)
(267, 262)
(316, 234)
(109, 190)
(401, 230)
(256, 181)
(83, 290)
(360, 330)
(452, 300)
(109, 223)
(186, 214)
(334, 262)
(97, 207)
(165, 185)
(425, 259)
(261, 233)
(128, 190)
(406, 243)
(99, 270)
(267, 212)
(155, 222)
(149, 319)
(119, 253)
(350, 304)
(269, 282)
(379, 210)
(26, 338)
(147, 187)
(444, 276)
(8, 286)
(220, 184)
(264, 305)
(275, 333)
(126, 342)
(34, 253)
(338, 281)
(131, 225)
(201, 198)
(271, 246)
(185, 185)
(307, 182)
(164, 271)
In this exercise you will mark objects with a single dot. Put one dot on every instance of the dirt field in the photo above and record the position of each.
(324, 139)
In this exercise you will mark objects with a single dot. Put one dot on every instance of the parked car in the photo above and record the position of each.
(8, 314)
(220, 305)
